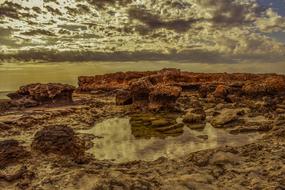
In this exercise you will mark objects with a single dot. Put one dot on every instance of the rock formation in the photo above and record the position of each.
(34, 94)
(58, 139)
(221, 86)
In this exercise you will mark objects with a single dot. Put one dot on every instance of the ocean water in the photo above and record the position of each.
(13, 75)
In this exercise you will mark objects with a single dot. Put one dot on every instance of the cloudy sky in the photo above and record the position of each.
(183, 30)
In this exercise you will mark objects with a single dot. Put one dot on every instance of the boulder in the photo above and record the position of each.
(11, 152)
(32, 94)
(58, 139)
(162, 96)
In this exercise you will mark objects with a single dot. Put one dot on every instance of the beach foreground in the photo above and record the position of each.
(166, 129)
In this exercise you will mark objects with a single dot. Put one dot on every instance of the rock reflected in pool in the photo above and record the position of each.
(122, 142)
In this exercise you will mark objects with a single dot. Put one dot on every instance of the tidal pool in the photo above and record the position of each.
(115, 141)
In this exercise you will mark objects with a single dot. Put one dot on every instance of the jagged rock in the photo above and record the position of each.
(33, 94)
(162, 96)
(10, 152)
(109, 82)
(58, 139)
(140, 90)
(269, 86)
(124, 97)
(226, 116)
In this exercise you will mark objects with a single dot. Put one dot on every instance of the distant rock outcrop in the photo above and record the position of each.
(157, 89)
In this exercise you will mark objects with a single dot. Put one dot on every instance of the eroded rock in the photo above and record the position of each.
(34, 94)
(162, 96)
(58, 139)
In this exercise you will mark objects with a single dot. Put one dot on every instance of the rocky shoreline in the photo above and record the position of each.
(41, 146)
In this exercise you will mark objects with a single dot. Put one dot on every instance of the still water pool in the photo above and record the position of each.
(115, 141)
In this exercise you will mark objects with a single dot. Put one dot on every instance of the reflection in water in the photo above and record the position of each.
(118, 143)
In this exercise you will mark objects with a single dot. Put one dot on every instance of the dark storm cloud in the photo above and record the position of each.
(198, 56)
(56, 56)
(153, 21)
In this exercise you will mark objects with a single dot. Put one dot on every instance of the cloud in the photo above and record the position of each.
(192, 30)
(153, 21)
(272, 22)
(229, 13)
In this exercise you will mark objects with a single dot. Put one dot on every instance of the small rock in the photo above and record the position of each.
(222, 158)
(226, 116)
(221, 91)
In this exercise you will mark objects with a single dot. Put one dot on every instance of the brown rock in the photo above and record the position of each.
(163, 96)
(10, 152)
(42, 93)
(59, 140)
(140, 90)
(221, 91)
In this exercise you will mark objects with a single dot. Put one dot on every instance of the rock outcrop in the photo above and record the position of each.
(162, 96)
(58, 139)
(35, 94)
(216, 86)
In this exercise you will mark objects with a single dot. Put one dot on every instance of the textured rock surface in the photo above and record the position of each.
(57, 139)
(246, 152)
(33, 94)
(11, 152)
(164, 96)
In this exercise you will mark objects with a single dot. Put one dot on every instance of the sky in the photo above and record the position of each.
(211, 31)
